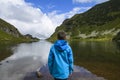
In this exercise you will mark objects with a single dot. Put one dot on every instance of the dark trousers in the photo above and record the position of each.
(60, 79)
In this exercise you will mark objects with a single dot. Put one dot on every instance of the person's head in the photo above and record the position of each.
(61, 35)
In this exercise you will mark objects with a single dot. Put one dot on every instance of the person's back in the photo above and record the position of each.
(60, 59)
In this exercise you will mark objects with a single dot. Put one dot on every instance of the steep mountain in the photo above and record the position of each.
(100, 22)
(8, 33)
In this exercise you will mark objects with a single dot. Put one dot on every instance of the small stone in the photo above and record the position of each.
(7, 61)
(39, 75)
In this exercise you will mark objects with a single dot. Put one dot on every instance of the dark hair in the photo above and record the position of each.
(61, 35)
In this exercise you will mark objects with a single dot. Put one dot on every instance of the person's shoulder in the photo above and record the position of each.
(52, 46)
(68, 48)
(68, 45)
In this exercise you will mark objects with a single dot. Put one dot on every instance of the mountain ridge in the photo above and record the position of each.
(8, 33)
(102, 18)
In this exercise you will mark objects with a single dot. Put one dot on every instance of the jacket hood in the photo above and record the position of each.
(61, 45)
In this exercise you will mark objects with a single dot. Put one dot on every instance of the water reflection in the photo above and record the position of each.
(5, 50)
(117, 45)
(102, 58)
(93, 47)
(28, 57)
(35, 50)
(100, 51)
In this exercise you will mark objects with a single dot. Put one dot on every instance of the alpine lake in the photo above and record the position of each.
(101, 58)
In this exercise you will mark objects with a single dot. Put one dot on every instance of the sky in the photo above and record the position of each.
(41, 17)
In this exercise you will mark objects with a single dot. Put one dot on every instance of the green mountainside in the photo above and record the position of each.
(8, 33)
(100, 22)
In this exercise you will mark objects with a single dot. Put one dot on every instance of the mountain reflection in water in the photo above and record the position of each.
(28, 57)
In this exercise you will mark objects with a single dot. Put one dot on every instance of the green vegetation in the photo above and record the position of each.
(100, 22)
(9, 34)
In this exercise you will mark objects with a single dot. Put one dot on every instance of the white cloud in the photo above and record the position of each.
(30, 20)
(88, 1)
(27, 19)
(57, 19)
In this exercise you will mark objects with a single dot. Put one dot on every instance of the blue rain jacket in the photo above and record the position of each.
(60, 60)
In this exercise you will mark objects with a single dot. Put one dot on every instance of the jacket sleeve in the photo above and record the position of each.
(70, 59)
(50, 61)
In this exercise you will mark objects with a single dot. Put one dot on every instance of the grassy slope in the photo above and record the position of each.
(87, 30)
(8, 38)
(100, 18)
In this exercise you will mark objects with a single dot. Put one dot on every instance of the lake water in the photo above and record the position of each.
(94, 60)
(101, 58)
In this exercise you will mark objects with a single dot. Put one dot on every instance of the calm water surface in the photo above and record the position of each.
(95, 60)
(101, 58)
